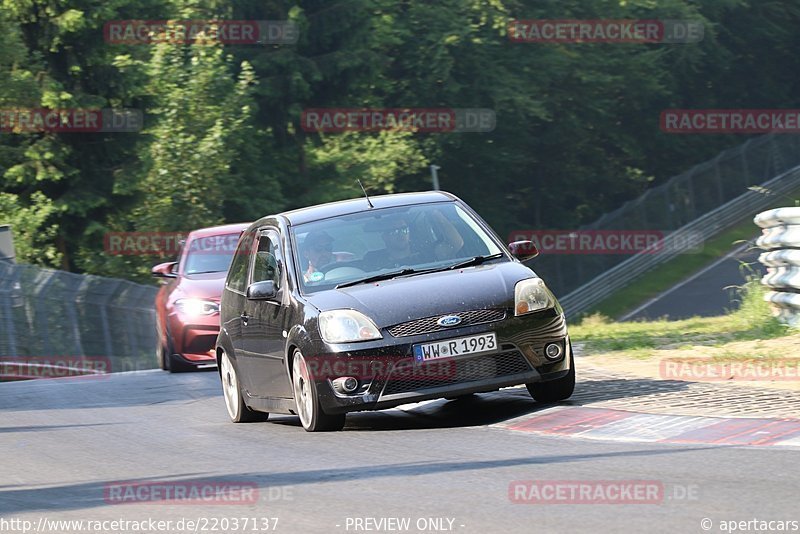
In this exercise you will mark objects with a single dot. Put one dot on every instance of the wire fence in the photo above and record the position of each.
(673, 205)
(46, 313)
(710, 224)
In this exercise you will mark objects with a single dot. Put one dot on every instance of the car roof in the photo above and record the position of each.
(217, 230)
(357, 205)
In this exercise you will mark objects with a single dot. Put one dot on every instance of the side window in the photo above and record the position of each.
(237, 276)
(267, 263)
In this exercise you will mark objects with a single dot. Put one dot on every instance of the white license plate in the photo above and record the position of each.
(459, 346)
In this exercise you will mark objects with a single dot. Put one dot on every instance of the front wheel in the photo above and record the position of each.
(162, 355)
(168, 360)
(309, 410)
(555, 390)
(163, 350)
(238, 411)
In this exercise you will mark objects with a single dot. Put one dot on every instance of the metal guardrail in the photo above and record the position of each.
(674, 204)
(781, 239)
(709, 225)
(46, 313)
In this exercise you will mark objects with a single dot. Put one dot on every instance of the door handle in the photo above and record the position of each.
(245, 318)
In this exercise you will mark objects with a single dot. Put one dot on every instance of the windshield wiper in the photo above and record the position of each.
(477, 260)
(384, 276)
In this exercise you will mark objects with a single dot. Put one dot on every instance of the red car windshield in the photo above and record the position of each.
(210, 254)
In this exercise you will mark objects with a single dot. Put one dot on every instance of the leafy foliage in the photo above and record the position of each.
(577, 127)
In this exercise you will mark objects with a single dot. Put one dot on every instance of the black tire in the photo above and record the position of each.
(555, 390)
(162, 355)
(178, 365)
(307, 403)
(238, 411)
(163, 350)
(168, 360)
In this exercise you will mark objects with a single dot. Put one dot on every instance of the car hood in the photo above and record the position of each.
(403, 299)
(201, 286)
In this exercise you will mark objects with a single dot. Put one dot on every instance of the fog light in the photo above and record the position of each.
(345, 384)
(552, 351)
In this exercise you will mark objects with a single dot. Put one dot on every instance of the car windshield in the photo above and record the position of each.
(210, 254)
(344, 250)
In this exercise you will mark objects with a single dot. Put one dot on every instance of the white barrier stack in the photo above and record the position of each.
(781, 239)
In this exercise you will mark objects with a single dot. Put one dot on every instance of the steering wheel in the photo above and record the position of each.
(328, 266)
(344, 272)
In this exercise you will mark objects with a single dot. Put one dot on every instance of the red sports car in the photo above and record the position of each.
(187, 305)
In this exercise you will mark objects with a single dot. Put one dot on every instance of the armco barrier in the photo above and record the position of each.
(46, 313)
(710, 187)
(781, 239)
(604, 285)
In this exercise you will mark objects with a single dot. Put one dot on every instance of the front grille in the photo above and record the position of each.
(448, 372)
(428, 324)
(201, 344)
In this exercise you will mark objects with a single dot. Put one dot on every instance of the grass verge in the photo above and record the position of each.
(641, 340)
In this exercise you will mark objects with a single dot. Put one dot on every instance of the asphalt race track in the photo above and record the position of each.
(707, 293)
(444, 466)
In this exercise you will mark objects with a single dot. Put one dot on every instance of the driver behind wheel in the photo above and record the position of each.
(318, 252)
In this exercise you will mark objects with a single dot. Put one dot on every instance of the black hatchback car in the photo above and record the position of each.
(371, 303)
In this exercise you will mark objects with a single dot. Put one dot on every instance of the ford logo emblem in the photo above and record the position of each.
(449, 320)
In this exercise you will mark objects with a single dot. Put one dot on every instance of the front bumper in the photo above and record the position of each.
(194, 337)
(389, 377)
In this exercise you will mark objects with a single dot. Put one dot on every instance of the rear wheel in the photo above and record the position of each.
(309, 410)
(555, 390)
(232, 391)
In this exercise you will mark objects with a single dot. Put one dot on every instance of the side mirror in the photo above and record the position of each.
(264, 290)
(523, 250)
(165, 270)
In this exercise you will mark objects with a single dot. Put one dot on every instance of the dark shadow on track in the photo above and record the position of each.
(45, 428)
(494, 407)
(91, 494)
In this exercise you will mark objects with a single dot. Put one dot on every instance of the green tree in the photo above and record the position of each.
(61, 42)
(384, 163)
(194, 170)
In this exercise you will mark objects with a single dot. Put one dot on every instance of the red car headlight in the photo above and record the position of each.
(196, 306)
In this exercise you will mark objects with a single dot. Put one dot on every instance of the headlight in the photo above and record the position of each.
(196, 306)
(344, 326)
(532, 295)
